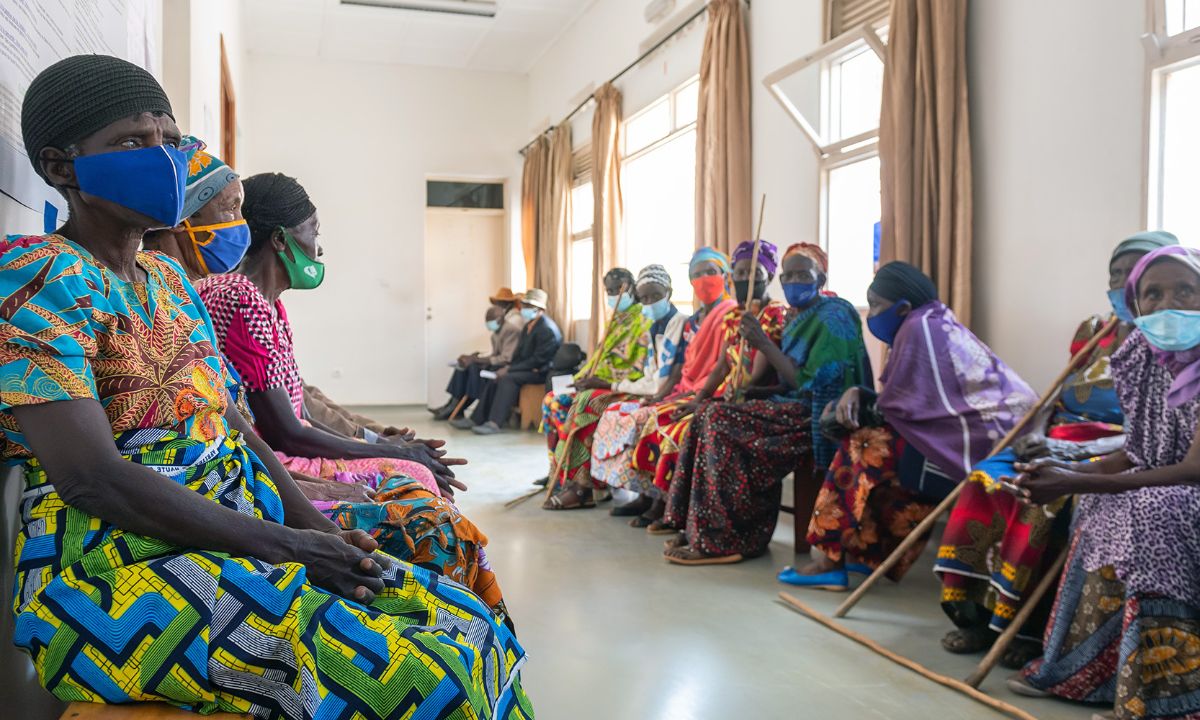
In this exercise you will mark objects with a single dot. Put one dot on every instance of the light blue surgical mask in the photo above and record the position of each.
(529, 314)
(493, 325)
(622, 304)
(1171, 330)
(1116, 298)
(657, 310)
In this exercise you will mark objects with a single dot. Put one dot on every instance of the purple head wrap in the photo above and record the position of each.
(768, 254)
(1184, 365)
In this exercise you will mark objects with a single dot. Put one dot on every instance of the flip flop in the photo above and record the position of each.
(834, 580)
(628, 510)
(1018, 685)
(658, 527)
(704, 560)
(556, 503)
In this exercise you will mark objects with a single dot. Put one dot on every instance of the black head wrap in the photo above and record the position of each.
(79, 95)
(898, 281)
(622, 276)
(273, 200)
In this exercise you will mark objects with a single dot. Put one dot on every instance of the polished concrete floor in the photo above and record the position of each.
(615, 633)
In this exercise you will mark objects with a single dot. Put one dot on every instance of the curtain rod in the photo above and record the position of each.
(627, 68)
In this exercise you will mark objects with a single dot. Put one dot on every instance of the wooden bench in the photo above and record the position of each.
(529, 405)
(137, 711)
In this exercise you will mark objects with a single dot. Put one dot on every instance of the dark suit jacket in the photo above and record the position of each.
(539, 341)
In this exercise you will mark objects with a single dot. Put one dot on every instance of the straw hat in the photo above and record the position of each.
(504, 295)
(534, 297)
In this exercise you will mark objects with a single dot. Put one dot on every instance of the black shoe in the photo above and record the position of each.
(541, 482)
(437, 410)
(442, 414)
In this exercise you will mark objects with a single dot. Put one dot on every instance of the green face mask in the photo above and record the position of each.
(303, 272)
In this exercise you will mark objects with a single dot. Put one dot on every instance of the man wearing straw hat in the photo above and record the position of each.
(540, 340)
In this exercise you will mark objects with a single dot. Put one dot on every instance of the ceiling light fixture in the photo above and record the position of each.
(477, 8)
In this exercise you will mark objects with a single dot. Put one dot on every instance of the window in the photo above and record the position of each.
(1173, 148)
(658, 187)
(834, 96)
(486, 196)
(582, 212)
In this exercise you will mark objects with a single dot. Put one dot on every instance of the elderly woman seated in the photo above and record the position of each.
(1125, 628)
(946, 399)
(165, 553)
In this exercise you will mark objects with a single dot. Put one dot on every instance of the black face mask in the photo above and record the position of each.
(742, 287)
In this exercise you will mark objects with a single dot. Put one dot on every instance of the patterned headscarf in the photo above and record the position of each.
(813, 252)
(654, 274)
(708, 254)
(1184, 365)
(207, 175)
(768, 254)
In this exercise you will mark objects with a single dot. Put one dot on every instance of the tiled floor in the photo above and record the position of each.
(614, 633)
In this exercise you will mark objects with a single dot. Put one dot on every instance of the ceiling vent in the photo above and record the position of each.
(477, 8)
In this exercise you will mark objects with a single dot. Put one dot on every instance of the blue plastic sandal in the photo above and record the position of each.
(859, 568)
(834, 580)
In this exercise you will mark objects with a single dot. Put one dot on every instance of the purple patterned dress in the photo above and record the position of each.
(1126, 623)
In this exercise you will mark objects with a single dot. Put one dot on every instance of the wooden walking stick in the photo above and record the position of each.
(1010, 633)
(737, 375)
(589, 371)
(916, 667)
(945, 505)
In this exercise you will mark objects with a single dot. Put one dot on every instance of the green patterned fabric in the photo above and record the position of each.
(621, 355)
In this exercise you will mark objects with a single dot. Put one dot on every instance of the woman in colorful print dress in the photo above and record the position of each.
(663, 437)
(620, 357)
(726, 491)
(165, 510)
(621, 428)
(662, 336)
(994, 549)
(946, 400)
(1125, 627)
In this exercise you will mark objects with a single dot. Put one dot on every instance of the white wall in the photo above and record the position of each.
(192, 63)
(606, 38)
(1057, 114)
(362, 138)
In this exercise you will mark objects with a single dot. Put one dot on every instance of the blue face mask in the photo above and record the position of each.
(493, 326)
(886, 324)
(529, 313)
(1116, 298)
(1171, 330)
(799, 294)
(620, 303)
(219, 247)
(149, 180)
(657, 310)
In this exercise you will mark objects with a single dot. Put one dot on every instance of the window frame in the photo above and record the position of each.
(1165, 54)
(672, 98)
(845, 45)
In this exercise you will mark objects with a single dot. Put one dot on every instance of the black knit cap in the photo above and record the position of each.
(79, 95)
(898, 281)
(273, 200)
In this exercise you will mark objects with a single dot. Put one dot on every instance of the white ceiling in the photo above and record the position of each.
(509, 42)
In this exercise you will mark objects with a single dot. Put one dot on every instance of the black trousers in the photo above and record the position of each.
(497, 399)
(466, 383)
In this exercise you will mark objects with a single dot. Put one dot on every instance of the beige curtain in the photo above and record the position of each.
(531, 189)
(925, 146)
(553, 267)
(723, 202)
(606, 188)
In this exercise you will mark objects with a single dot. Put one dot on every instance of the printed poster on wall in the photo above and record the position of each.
(35, 34)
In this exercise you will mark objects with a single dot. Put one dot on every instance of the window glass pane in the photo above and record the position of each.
(1180, 155)
(687, 101)
(464, 195)
(1182, 15)
(581, 279)
(649, 127)
(659, 192)
(854, 208)
(583, 208)
(859, 91)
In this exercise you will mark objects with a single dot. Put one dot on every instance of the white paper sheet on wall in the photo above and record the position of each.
(35, 34)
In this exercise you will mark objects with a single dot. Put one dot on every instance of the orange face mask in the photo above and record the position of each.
(709, 288)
